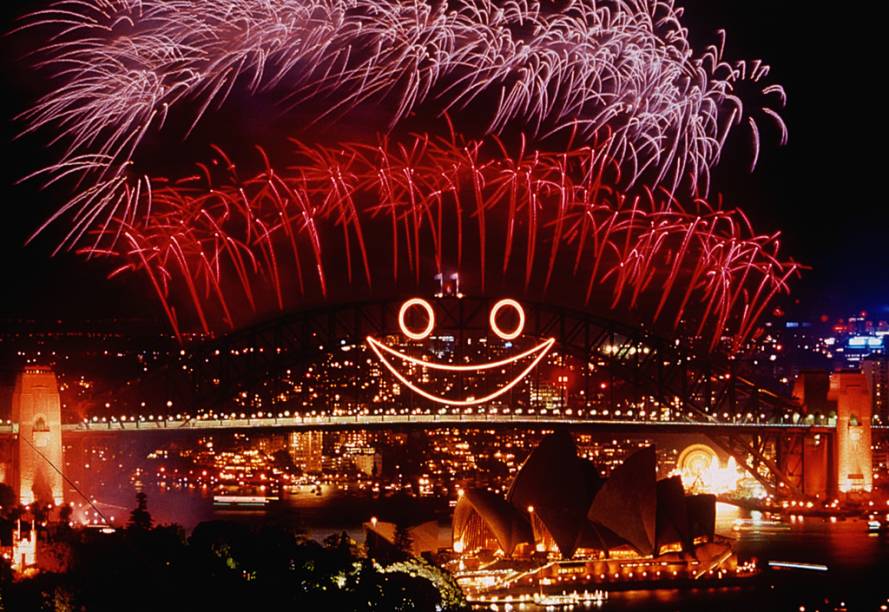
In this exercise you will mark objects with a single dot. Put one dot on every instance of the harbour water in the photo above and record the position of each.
(857, 575)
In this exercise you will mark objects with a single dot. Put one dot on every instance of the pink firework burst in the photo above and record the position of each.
(620, 73)
(589, 134)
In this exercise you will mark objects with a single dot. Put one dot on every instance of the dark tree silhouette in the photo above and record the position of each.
(40, 512)
(227, 566)
(7, 498)
(65, 514)
(140, 518)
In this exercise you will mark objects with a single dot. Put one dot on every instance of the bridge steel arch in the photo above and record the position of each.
(209, 374)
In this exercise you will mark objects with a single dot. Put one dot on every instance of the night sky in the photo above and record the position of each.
(823, 190)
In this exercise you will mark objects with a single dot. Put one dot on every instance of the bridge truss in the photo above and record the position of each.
(703, 387)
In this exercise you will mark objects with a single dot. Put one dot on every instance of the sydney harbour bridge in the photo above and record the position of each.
(706, 393)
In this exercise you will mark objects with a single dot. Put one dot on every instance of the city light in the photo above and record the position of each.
(703, 472)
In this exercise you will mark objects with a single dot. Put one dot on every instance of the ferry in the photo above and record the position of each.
(797, 565)
(552, 601)
(243, 501)
(760, 524)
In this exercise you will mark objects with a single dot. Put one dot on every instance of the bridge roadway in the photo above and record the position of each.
(425, 421)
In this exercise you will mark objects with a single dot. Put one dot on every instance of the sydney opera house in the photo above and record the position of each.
(560, 521)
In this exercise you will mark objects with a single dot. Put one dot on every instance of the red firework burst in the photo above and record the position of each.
(530, 213)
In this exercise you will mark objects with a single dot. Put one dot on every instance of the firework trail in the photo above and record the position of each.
(617, 119)
(621, 72)
(433, 194)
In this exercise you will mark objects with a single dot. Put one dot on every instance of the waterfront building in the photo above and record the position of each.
(307, 450)
(561, 521)
(560, 506)
(876, 371)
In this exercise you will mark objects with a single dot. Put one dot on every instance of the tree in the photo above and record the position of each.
(140, 518)
(226, 566)
(339, 542)
(449, 594)
(65, 514)
(7, 498)
(40, 512)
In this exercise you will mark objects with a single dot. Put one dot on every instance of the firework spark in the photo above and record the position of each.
(431, 192)
(614, 123)
(620, 73)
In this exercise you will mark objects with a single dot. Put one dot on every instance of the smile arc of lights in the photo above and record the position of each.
(386, 354)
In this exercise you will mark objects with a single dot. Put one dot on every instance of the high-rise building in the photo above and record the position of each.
(306, 449)
(366, 460)
(876, 370)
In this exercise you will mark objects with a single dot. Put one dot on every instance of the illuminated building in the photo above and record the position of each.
(549, 395)
(558, 505)
(270, 444)
(860, 347)
(876, 371)
(36, 409)
(306, 449)
(22, 553)
(366, 460)
(485, 520)
(844, 398)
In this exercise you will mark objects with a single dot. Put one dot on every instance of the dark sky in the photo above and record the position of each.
(823, 190)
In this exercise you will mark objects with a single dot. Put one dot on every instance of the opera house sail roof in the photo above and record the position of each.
(558, 487)
(493, 514)
(557, 502)
(627, 502)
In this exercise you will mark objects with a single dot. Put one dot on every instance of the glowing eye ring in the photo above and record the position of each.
(519, 311)
(429, 312)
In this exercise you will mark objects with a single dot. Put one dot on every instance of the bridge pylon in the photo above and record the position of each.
(854, 458)
(37, 451)
(841, 463)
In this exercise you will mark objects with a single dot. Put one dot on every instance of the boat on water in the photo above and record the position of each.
(243, 501)
(797, 565)
(560, 600)
(760, 524)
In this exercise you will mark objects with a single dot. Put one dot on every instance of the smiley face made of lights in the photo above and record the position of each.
(387, 354)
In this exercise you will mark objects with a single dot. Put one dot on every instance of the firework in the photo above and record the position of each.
(599, 127)
(620, 73)
(435, 196)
